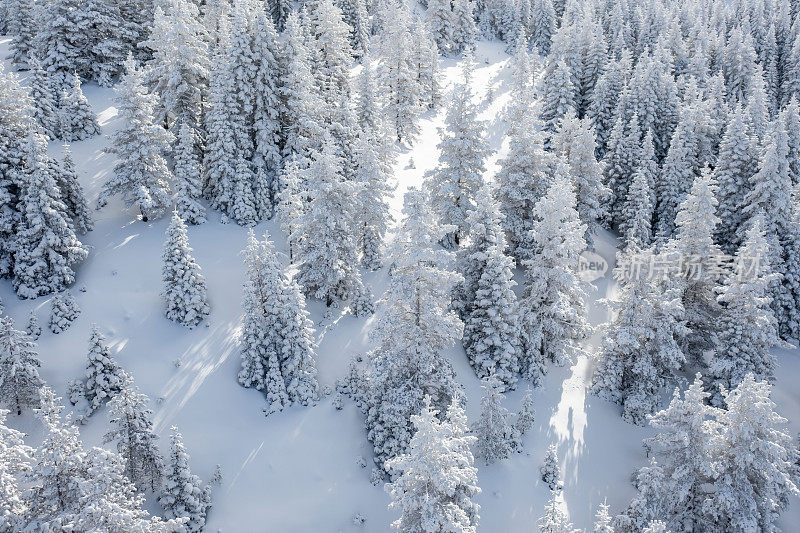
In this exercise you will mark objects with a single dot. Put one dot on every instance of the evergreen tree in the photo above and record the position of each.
(550, 470)
(178, 72)
(291, 202)
(441, 21)
(494, 431)
(648, 502)
(436, 481)
(15, 459)
(23, 42)
(33, 329)
(636, 213)
(602, 520)
(464, 29)
(182, 495)
(753, 473)
(542, 25)
(333, 54)
(141, 175)
(640, 353)
(521, 94)
(188, 177)
(72, 194)
(620, 164)
(424, 57)
(525, 416)
(132, 429)
(574, 142)
(19, 380)
(557, 95)
(104, 377)
(553, 311)
(184, 286)
(64, 310)
(455, 181)
(327, 246)
(374, 187)
(44, 99)
(412, 326)
(555, 519)
(45, 245)
(76, 120)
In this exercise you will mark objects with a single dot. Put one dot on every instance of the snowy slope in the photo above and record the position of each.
(297, 470)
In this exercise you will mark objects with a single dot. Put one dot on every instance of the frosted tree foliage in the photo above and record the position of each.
(188, 178)
(184, 286)
(15, 457)
(104, 377)
(19, 380)
(555, 520)
(63, 311)
(494, 431)
(375, 185)
(636, 212)
(72, 194)
(436, 479)
(550, 471)
(141, 175)
(45, 100)
(182, 495)
(76, 120)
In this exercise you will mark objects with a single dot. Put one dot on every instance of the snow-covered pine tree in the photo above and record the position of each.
(327, 251)
(640, 354)
(746, 328)
(452, 186)
(436, 481)
(620, 163)
(441, 22)
(464, 30)
(521, 92)
(701, 264)
(375, 185)
(64, 310)
(132, 429)
(141, 175)
(333, 54)
(45, 245)
(494, 431)
(277, 338)
(553, 311)
(550, 471)
(19, 380)
(291, 202)
(486, 297)
(76, 120)
(605, 97)
(525, 416)
(636, 213)
(104, 377)
(33, 329)
(556, 93)
(188, 179)
(72, 194)
(182, 495)
(754, 468)
(178, 72)
(424, 57)
(15, 458)
(555, 519)
(602, 520)
(184, 289)
(542, 25)
(790, 116)
(523, 179)
(681, 448)
(44, 98)
(412, 325)
(23, 43)
(574, 142)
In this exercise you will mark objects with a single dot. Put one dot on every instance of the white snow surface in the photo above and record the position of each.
(298, 470)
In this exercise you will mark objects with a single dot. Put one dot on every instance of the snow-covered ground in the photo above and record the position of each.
(297, 470)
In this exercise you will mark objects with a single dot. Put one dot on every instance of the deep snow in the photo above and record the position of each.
(298, 470)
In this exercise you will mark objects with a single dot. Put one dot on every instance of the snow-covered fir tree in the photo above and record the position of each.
(327, 251)
(188, 179)
(640, 353)
(604, 100)
(521, 92)
(182, 495)
(574, 141)
(178, 72)
(375, 185)
(495, 433)
(441, 22)
(542, 25)
(291, 202)
(277, 336)
(753, 470)
(332, 54)
(23, 43)
(488, 303)
(746, 328)
(63, 311)
(620, 163)
(464, 30)
(72, 194)
(525, 416)
(557, 95)
(76, 120)
(184, 286)
(550, 471)
(412, 325)
(648, 502)
(636, 213)
(45, 246)
(132, 430)
(553, 311)
(459, 175)
(425, 64)
(33, 329)
(436, 481)
(45, 100)
(15, 457)
(19, 381)
(602, 520)
(555, 520)
(141, 175)
(103, 375)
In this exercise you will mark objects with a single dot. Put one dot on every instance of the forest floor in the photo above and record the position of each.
(299, 470)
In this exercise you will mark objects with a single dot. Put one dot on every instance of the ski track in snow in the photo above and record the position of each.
(297, 470)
